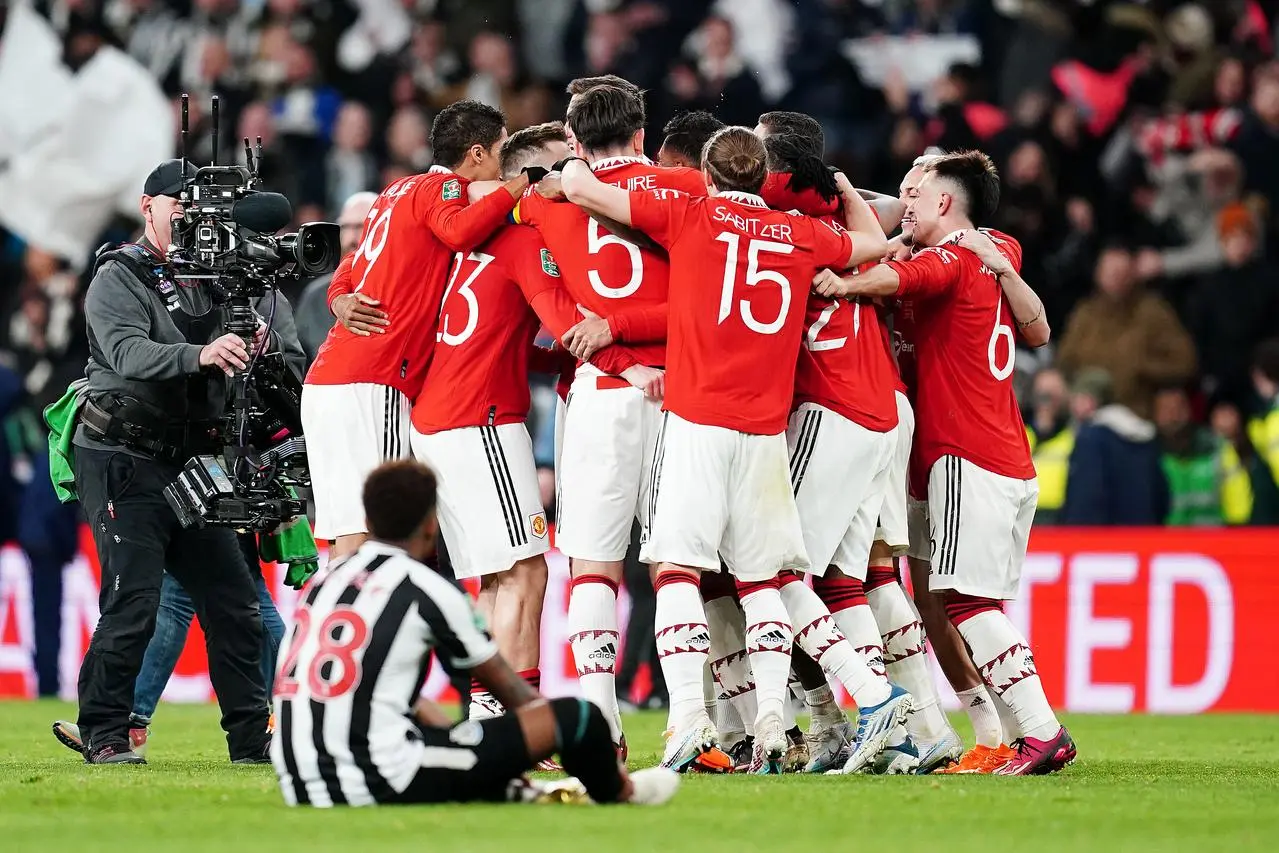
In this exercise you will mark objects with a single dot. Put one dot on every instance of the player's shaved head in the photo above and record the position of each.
(686, 136)
(539, 145)
(607, 117)
(973, 181)
(794, 124)
(399, 501)
(735, 160)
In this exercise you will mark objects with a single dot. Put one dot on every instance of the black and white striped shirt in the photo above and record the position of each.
(353, 667)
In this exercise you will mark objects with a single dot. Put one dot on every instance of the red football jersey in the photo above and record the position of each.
(409, 238)
(479, 372)
(601, 270)
(965, 348)
(843, 364)
(741, 278)
(902, 345)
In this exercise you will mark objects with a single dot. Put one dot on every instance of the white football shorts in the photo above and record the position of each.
(609, 432)
(839, 471)
(893, 530)
(350, 430)
(980, 522)
(722, 493)
(490, 506)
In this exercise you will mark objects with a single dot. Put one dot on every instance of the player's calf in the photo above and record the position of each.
(728, 664)
(952, 656)
(1007, 665)
(821, 639)
(683, 649)
(845, 598)
(907, 664)
(594, 635)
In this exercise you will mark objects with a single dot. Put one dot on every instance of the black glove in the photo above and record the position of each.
(559, 167)
(535, 173)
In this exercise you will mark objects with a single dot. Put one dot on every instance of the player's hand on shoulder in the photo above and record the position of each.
(844, 185)
(650, 380)
(986, 251)
(588, 336)
(550, 187)
(360, 314)
(828, 283)
(897, 250)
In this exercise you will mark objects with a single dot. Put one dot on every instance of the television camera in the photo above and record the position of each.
(227, 237)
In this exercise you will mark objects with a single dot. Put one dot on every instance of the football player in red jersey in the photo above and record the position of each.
(610, 427)
(468, 421)
(994, 726)
(990, 749)
(686, 136)
(970, 438)
(720, 479)
(847, 383)
(356, 398)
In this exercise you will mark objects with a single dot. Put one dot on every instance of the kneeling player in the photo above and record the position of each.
(358, 656)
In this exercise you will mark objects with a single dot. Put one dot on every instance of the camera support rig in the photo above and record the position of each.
(225, 238)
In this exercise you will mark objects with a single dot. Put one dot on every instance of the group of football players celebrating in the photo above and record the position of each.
(751, 369)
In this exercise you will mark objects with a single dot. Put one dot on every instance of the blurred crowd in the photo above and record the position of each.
(1138, 143)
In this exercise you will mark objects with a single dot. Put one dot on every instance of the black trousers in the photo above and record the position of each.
(138, 538)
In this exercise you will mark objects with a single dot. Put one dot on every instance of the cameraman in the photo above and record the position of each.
(158, 376)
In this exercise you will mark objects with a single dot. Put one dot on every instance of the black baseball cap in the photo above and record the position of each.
(166, 179)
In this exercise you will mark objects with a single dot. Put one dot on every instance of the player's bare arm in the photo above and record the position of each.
(429, 714)
(1028, 308)
(869, 243)
(586, 191)
(879, 280)
(889, 208)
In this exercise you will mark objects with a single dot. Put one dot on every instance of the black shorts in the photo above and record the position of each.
(472, 761)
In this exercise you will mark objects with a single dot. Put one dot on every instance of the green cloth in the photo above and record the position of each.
(61, 419)
(1194, 483)
(292, 543)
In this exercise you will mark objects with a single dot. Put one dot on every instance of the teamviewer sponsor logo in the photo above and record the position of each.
(606, 652)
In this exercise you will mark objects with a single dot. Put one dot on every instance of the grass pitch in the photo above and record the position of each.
(1142, 783)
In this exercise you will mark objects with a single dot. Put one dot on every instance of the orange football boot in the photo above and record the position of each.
(980, 760)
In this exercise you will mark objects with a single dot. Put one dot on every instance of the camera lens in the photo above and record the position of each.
(316, 247)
